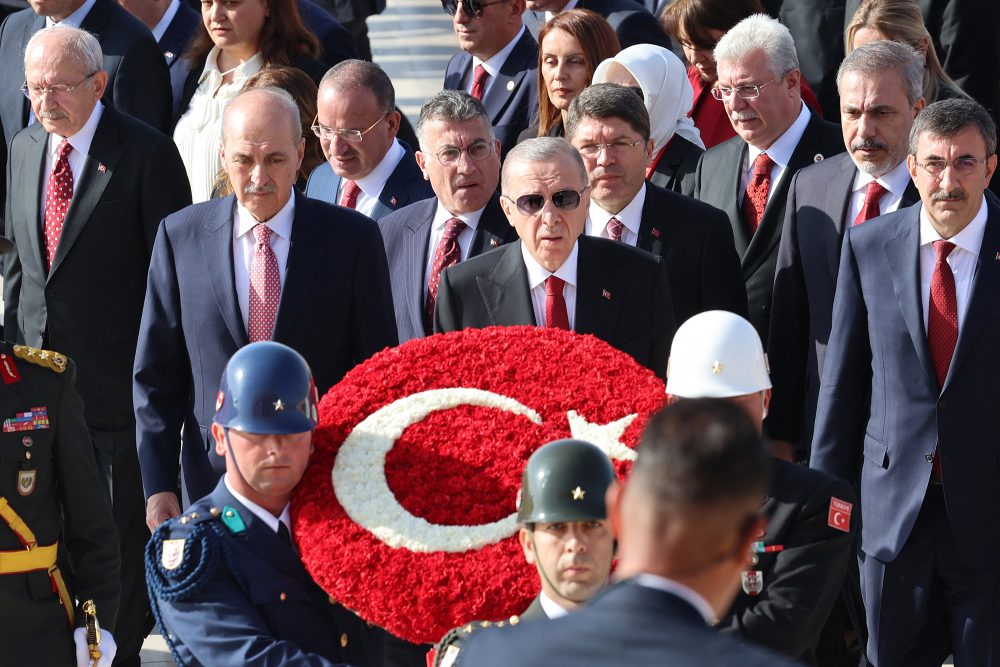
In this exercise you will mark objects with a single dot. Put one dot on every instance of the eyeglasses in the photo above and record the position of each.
(565, 200)
(478, 151)
(616, 147)
(36, 92)
(354, 136)
(962, 165)
(473, 7)
(747, 92)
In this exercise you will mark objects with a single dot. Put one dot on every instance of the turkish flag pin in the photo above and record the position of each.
(495, 243)
(840, 515)
(655, 232)
(606, 294)
(393, 201)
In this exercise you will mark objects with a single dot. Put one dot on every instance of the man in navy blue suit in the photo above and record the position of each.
(908, 407)
(367, 168)
(260, 265)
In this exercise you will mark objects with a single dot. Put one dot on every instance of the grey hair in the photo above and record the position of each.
(541, 149)
(79, 43)
(759, 32)
(608, 100)
(451, 105)
(354, 74)
(884, 55)
(278, 97)
(948, 118)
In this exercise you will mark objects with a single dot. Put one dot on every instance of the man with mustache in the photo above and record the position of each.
(908, 409)
(748, 175)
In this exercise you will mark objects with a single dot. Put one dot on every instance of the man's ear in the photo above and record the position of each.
(219, 435)
(524, 539)
(613, 501)
(422, 163)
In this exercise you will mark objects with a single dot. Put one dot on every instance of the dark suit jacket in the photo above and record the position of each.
(881, 412)
(512, 100)
(405, 185)
(805, 279)
(623, 297)
(676, 168)
(817, 26)
(718, 183)
(630, 625)
(407, 234)
(334, 39)
(631, 20)
(335, 310)
(89, 303)
(182, 28)
(696, 243)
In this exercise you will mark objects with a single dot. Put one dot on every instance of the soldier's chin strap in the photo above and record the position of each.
(545, 576)
(229, 447)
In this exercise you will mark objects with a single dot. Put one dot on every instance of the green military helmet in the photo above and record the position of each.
(565, 480)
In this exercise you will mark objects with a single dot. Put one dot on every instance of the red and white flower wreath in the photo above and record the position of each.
(406, 513)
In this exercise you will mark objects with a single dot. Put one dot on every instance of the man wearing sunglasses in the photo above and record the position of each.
(498, 64)
(609, 125)
(555, 277)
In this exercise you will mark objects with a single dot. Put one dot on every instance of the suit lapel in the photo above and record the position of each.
(837, 204)
(652, 229)
(305, 255)
(600, 291)
(505, 292)
(34, 163)
(507, 81)
(492, 229)
(418, 227)
(218, 249)
(732, 175)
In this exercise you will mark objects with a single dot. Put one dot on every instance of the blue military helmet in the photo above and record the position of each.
(267, 388)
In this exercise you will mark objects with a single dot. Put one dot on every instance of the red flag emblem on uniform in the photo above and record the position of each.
(840, 515)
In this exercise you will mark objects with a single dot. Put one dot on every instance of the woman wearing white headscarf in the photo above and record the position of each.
(667, 94)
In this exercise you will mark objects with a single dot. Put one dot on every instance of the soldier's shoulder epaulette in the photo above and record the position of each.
(183, 554)
(44, 358)
(447, 650)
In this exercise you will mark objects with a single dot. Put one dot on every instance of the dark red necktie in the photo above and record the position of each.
(57, 200)
(448, 253)
(755, 198)
(942, 320)
(870, 208)
(265, 286)
(349, 197)
(480, 75)
(555, 304)
(615, 229)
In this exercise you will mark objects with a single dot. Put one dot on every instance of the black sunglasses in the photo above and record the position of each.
(566, 200)
(473, 7)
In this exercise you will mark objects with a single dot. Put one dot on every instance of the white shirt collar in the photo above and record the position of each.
(84, 136)
(568, 6)
(269, 519)
(630, 216)
(374, 181)
(74, 19)
(689, 595)
(895, 181)
(165, 20)
(781, 150)
(280, 223)
(551, 607)
(493, 64)
(241, 72)
(442, 216)
(537, 274)
(969, 239)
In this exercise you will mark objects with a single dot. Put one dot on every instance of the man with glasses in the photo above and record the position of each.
(498, 64)
(748, 175)
(609, 125)
(555, 277)
(460, 159)
(908, 403)
(88, 188)
(368, 168)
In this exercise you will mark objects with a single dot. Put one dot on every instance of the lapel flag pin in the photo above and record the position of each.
(997, 258)
(393, 201)
(495, 243)
(510, 85)
(818, 157)
(101, 168)
(606, 294)
(168, 54)
(655, 232)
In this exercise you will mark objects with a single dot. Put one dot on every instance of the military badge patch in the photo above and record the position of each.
(839, 516)
(26, 482)
(173, 554)
(753, 581)
(34, 419)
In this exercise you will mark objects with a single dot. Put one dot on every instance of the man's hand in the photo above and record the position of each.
(160, 507)
(108, 648)
(780, 449)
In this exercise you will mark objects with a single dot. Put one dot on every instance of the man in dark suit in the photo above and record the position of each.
(498, 64)
(609, 125)
(686, 520)
(880, 91)
(368, 168)
(631, 20)
(554, 276)
(88, 187)
(748, 176)
(260, 265)
(908, 408)
(460, 158)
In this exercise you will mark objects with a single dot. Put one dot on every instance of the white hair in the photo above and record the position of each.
(76, 42)
(759, 32)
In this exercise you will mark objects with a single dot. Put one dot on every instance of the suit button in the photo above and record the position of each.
(343, 640)
(329, 598)
(929, 457)
(50, 292)
(283, 597)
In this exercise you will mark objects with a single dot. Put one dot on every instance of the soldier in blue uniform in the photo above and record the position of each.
(225, 580)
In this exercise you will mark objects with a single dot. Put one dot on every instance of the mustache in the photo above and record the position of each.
(950, 195)
(51, 115)
(266, 189)
(601, 172)
(744, 115)
(868, 144)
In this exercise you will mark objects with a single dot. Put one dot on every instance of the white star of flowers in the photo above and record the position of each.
(605, 436)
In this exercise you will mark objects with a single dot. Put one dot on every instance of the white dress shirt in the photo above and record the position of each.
(160, 28)
(963, 260)
(264, 515)
(74, 19)
(780, 151)
(689, 595)
(537, 275)
(77, 157)
(492, 65)
(374, 182)
(551, 607)
(244, 246)
(895, 181)
(441, 218)
(630, 216)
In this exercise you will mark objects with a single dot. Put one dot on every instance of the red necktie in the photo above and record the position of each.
(265, 286)
(349, 198)
(755, 198)
(615, 229)
(479, 82)
(448, 253)
(57, 200)
(555, 304)
(942, 320)
(870, 208)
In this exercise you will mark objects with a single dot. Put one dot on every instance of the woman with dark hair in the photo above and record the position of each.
(570, 46)
(240, 38)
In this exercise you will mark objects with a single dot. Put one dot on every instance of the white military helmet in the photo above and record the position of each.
(716, 354)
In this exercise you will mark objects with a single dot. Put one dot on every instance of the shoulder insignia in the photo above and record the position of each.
(44, 358)
(232, 519)
(447, 650)
(181, 558)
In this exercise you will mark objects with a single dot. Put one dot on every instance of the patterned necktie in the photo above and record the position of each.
(870, 208)
(448, 253)
(349, 198)
(479, 82)
(57, 200)
(755, 198)
(555, 304)
(615, 229)
(942, 320)
(265, 286)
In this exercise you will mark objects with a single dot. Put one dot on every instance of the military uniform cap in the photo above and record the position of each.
(565, 480)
